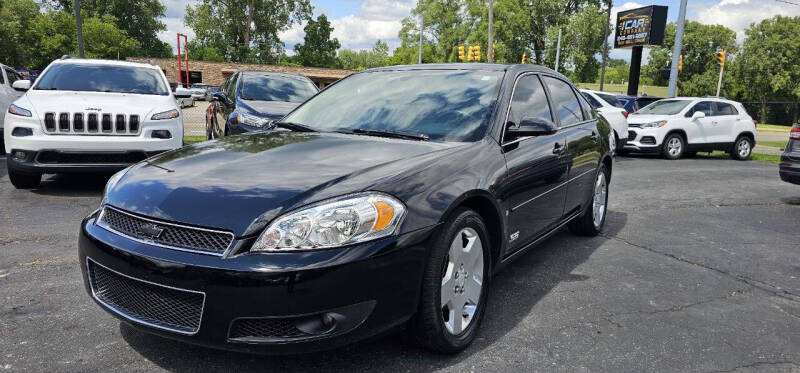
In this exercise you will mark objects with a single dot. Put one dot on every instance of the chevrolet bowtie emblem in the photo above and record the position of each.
(149, 231)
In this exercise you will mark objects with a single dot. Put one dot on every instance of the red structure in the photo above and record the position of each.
(186, 48)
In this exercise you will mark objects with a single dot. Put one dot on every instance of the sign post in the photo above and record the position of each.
(635, 29)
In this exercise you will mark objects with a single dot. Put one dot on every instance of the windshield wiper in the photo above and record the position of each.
(292, 126)
(157, 166)
(389, 134)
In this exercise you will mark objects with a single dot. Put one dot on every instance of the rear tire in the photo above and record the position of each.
(451, 286)
(742, 149)
(2, 145)
(673, 147)
(591, 222)
(22, 180)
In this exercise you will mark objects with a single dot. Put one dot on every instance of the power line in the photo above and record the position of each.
(787, 2)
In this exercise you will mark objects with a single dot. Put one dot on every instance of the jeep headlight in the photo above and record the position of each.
(658, 124)
(333, 223)
(251, 120)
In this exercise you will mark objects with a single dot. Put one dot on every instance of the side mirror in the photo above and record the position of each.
(181, 92)
(533, 127)
(21, 85)
(220, 96)
(698, 115)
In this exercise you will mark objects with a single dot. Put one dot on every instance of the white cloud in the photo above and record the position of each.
(174, 26)
(355, 32)
(386, 10)
(739, 14)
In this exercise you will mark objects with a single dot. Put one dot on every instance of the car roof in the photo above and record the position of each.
(518, 68)
(88, 61)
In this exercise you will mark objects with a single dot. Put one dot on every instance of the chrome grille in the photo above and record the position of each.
(91, 124)
(155, 305)
(170, 235)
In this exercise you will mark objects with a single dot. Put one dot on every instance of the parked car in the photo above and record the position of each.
(89, 115)
(632, 104)
(199, 91)
(391, 198)
(210, 92)
(8, 94)
(250, 100)
(790, 159)
(183, 97)
(684, 126)
(611, 109)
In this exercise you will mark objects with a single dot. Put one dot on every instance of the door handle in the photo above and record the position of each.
(595, 136)
(559, 149)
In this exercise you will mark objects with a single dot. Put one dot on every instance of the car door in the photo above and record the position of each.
(725, 124)
(699, 131)
(579, 126)
(533, 193)
(224, 109)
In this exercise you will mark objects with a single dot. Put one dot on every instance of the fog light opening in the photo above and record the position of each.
(161, 134)
(19, 155)
(22, 132)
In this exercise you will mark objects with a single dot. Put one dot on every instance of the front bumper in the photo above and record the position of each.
(58, 161)
(642, 141)
(373, 287)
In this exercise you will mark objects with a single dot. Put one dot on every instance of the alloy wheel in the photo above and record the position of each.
(462, 281)
(674, 146)
(600, 199)
(744, 148)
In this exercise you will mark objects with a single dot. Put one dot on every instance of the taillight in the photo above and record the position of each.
(625, 114)
(794, 134)
(755, 123)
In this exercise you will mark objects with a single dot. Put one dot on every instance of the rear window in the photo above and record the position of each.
(99, 78)
(726, 109)
(610, 99)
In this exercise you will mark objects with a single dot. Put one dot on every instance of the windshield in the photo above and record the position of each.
(446, 105)
(99, 78)
(664, 107)
(276, 88)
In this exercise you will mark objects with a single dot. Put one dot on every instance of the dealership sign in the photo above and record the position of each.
(641, 26)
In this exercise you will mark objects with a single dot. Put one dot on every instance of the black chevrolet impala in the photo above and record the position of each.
(387, 201)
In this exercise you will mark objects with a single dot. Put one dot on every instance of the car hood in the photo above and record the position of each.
(268, 109)
(231, 182)
(100, 102)
(638, 119)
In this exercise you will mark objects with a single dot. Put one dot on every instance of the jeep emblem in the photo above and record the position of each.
(93, 109)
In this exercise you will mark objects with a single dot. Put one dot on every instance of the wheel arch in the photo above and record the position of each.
(678, 131)
(483, 203)
(747, 134)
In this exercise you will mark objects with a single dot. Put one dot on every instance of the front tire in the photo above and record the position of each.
(594, 217)
(673, 147)
(742, 149)
(454, 286)
(22, 180)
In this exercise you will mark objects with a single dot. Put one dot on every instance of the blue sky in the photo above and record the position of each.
(359, 23)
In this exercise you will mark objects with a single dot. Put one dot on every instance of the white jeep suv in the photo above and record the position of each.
(683, 126)
(89, 115)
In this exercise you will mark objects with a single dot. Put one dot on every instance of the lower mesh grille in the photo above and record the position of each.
(147, 303)
(57, 157)
(266, 328)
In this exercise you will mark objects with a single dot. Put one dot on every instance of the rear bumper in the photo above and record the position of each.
(789, 168)
(372, 287)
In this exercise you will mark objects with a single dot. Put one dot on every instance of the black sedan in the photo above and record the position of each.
(790, 159)
(251, 100)
(389, 200)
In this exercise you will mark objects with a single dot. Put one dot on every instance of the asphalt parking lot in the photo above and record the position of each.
(697, 270)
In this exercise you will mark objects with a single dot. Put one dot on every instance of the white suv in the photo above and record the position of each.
(610, 108)
(686, 125)
(89, 115)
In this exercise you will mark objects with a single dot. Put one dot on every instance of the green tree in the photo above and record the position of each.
(365, 59)
(245, 30)
(581, 40)
(318, 48)
(140, 19)
(700, 45)
(17, 18)
(199, 52)
(767, 68)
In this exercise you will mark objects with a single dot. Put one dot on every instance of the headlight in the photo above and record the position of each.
(658, 124)
(171, 114)
(251, 120)
(337, 222)
(113, 180)
(16, 110)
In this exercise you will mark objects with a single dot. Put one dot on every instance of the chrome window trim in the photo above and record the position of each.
(137, 320)
(100, 223)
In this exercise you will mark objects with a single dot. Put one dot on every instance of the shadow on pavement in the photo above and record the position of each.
(514, 293)
(72, 185)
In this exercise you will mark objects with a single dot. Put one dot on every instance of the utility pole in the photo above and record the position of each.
(605, 46)
(676, 50)
(558, 49)
(421, 23)
(79, 27)
(490, 51)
